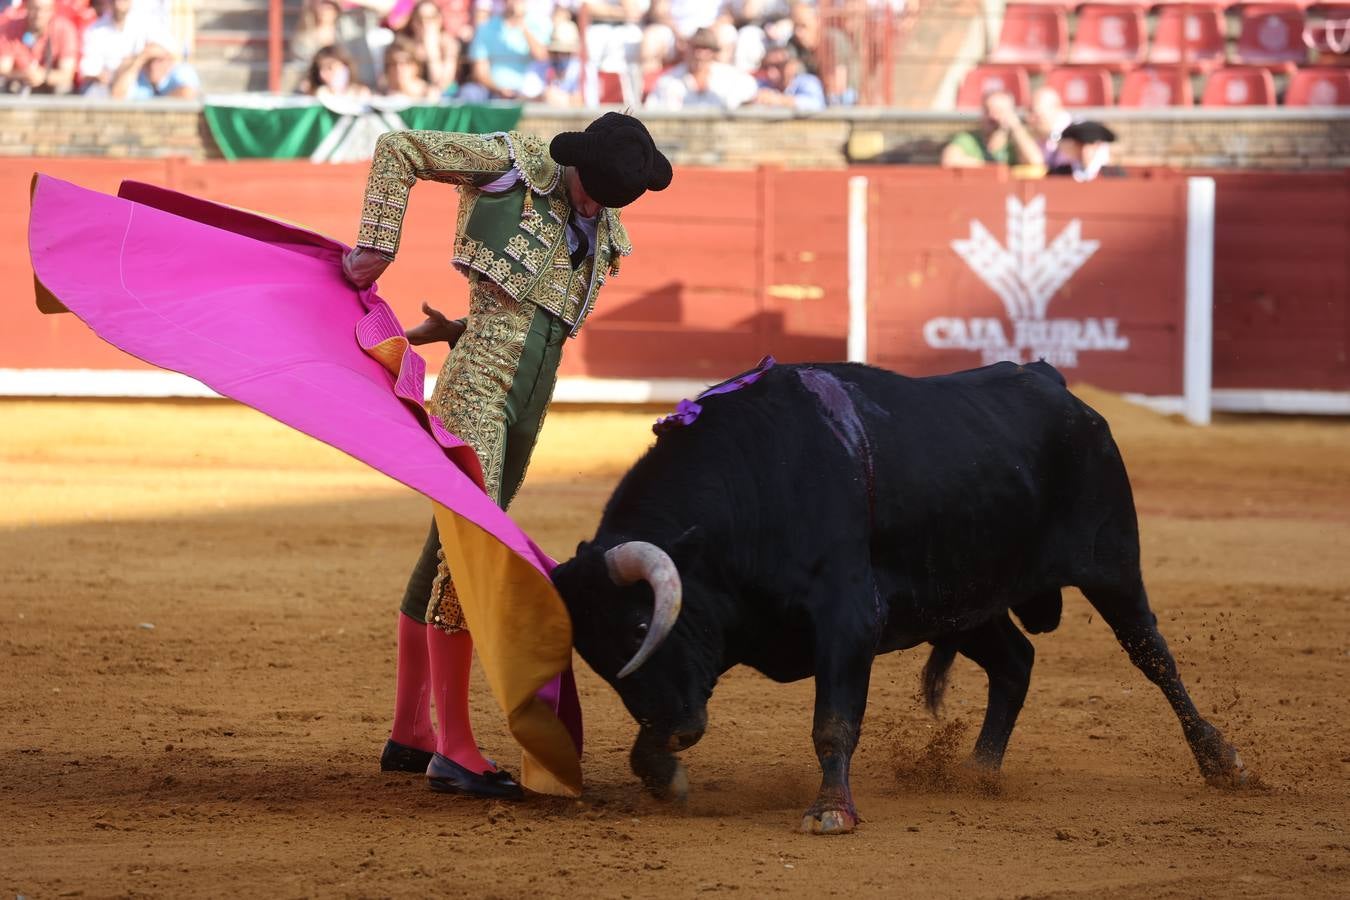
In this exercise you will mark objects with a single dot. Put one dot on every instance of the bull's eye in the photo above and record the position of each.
(640, 632)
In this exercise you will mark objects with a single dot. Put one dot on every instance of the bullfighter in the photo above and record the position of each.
(537, 234)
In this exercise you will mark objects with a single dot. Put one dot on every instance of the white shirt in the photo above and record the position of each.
(728, 88)
(106, 46)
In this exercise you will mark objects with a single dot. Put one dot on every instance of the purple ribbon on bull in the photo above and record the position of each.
(686, 411)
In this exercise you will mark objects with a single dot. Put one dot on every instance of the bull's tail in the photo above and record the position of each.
(935, 675)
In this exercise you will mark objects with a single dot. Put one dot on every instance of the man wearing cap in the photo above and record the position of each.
(703, 80)
(1084, 151)
(537, 234)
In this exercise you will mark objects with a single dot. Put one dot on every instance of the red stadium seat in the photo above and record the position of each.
(1081, 85)
(1272, 35)
(1157, 86)
(1239, 86)
(1200, 4)
(1319, 87)
(611, 89)
(983, 79)
(1327, 29)
(651, 78)
(1198, 35)
(1111, 35)
(1033, 35)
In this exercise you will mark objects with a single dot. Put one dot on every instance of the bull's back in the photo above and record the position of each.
(987, 482)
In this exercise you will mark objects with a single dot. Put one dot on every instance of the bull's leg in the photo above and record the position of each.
(843, 669)
(1136, 627)
(1006, 657)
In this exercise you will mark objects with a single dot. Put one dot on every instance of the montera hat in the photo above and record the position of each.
(616, 159)
(1088, 133)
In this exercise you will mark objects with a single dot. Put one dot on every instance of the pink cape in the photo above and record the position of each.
(260, 312)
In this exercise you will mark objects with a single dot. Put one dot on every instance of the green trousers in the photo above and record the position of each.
(493, 393)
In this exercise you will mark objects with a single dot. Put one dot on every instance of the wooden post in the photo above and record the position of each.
(274, 36)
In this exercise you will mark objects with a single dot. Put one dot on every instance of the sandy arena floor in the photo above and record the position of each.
(197, 657)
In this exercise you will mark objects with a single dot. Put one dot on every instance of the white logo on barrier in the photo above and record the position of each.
(1026, 275)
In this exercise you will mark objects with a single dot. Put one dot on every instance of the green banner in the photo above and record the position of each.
(291, 130)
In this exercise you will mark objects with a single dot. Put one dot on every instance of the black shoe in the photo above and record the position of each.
(449, 777)
(402, 758)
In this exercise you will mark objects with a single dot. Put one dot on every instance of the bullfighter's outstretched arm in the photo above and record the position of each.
(402, 158)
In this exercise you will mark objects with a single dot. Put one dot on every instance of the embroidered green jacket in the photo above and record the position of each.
(516, 238)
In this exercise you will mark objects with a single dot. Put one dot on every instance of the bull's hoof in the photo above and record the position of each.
(1229, 772)
(829, 821)
(677, 789)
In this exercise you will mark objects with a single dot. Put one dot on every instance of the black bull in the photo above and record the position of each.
(828, 513)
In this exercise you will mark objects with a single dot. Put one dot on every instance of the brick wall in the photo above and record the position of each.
(1238, 139)
(64, 126)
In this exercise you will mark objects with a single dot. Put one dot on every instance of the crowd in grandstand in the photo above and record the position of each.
(719, 54)
(123, 49)
(670, 54)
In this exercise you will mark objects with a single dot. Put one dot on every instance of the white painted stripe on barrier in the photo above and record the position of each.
(153, 384)
(1234, 400)
(99, 383)
(1308, 403)
(857, 269)
(1198, 345)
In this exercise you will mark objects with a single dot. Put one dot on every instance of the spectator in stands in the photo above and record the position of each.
(1047, 120)
(562, 75)
(1085, 152)
(324, 23)
(404, 74)
(703, 81)
(178, 17)
(505, 50)
(826, 53)
(758, 24)
(782, 82)
(1001, 140)
(332, 76)
(435, 47)
(38, 50)
(614, 35)
(353, 25)
(458, 17)
(129, 55)
(320, 26)
(670, 26)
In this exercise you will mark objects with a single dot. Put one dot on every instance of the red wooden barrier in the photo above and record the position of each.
(1282, 281)
(732, 265)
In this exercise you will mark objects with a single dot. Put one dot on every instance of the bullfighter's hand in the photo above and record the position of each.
(436, 328)
(363, 265)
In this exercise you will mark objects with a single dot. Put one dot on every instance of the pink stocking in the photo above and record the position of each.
(451, 656)
(412, 692)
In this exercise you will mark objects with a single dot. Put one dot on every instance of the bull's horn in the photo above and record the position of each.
(640, 561)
